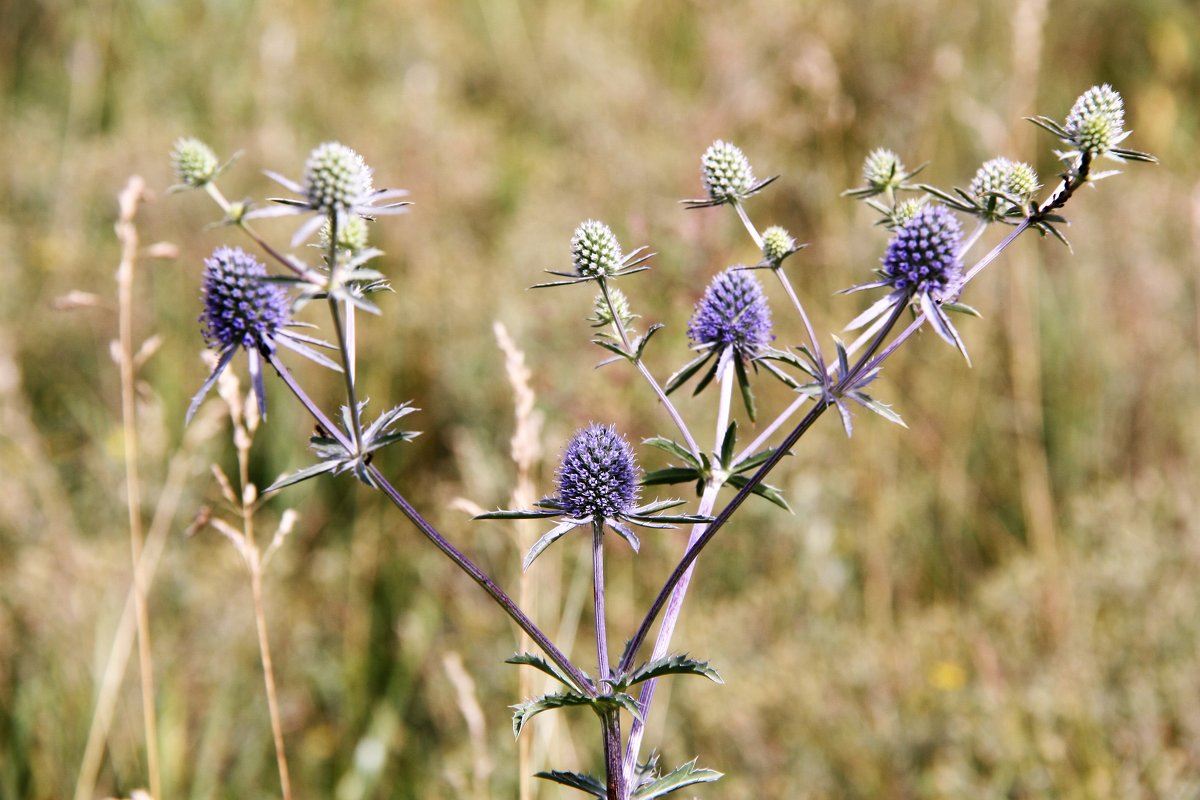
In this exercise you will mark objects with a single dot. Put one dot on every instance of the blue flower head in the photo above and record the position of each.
(922, 258)
(240, 308)
(922, 267)
(598, 487)
(244, 310)
(598, 475)
(732, 313)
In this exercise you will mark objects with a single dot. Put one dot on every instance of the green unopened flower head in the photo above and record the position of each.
(777, 244)
(1022, 180)
(351, 235)
(1014, 178)
(726, 172)
(336, 178)
(906, 210)
(1097, 120)
(883, 170)
(595, 251)
(601, 313)
(195, 162)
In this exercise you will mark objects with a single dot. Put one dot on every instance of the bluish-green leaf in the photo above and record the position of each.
(576, 780)
(672, 447)
(673, 665)
(537, 662)
(525, 711)
(684, 776)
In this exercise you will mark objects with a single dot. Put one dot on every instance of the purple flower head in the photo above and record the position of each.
(241, 309)
(922, 258)
(732, 313)
(598, 475)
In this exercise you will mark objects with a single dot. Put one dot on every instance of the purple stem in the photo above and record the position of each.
(465, 564)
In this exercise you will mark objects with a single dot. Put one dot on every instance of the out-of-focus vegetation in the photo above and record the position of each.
(999, 602)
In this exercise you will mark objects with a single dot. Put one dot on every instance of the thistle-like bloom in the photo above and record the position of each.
(922, 266)
(338, 185)
(1001, 187)
(1097, 120)
(726, 175)
(733, 314)
(595, 251)
(598, 475)
(603, 315)
(596, 256)
(777, 244)
(194, 162)
(352, 236)
(598, 486)
(243, 309)
(732, 321)
(883, 173)
(1094, 127)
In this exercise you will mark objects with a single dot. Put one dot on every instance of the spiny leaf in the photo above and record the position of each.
(673, 665)
(763, 490)
(670, 475)
(687, 371)
(525, 711)
(674, 448)
(576, 780)
(301, 475)
(687, 775)
(537, 662)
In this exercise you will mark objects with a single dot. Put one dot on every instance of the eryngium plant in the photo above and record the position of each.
(923, 268)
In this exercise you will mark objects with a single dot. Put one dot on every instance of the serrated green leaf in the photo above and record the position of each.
(763, 490)
(673, 665)
(962, 308)
(687, 371)
(537, 662)
(517, 514)
(557, 532)
(576, 780)
(674, 448)
(843, 358)
(684, 776)
(618, 700)
(882, 409)
(744, 382)
(727, 444)
(640, 346)
(754, 460)
(301, 475)
(614, 348)
(525, 711)
(1049, 125)
(707, 379)
(775, 371)
(670, 475)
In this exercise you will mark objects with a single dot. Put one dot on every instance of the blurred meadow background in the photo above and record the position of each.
(1001, 602)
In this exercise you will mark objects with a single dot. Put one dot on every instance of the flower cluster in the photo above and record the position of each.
(240, 308)
(777, 244)
(923, 258)
(598, 475)
(194, 162)
(243, 309)
(595, 251)
(597, 486)
(1096, 122)
(732, 313)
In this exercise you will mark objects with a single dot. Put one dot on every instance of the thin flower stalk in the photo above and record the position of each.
(619, 324)
(430, 532)
(127, 232)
